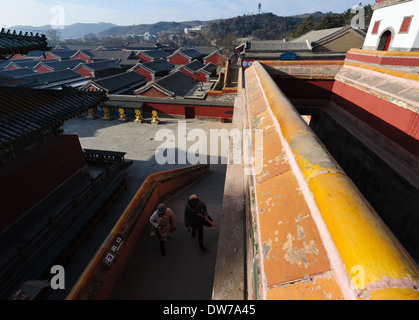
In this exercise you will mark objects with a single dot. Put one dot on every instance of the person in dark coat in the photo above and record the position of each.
(164, 221)
(195, 213)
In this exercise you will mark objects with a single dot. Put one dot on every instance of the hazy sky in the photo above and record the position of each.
(129, 12)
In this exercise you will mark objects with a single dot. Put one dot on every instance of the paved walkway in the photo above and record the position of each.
(185, 273)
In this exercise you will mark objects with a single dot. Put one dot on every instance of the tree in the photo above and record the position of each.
(304, 27)
(331, 20)
(90, 37)
(259, 7)
(53, 35)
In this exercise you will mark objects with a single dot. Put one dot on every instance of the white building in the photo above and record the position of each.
(394, 26)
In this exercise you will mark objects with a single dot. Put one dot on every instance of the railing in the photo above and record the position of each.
(363, 241)
(100, 276)
(102, 156)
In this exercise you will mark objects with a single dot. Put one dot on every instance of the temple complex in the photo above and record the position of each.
(316, 198)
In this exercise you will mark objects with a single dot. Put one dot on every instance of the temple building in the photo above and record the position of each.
(394, 26)
(51, 192)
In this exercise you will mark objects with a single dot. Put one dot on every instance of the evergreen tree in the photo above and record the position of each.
(304, 27)
(331, 20)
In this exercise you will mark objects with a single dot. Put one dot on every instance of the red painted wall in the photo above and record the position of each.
(50, 56)
(84, 72)
(82, 57)
(42, 69)
(178, 59)
(152, 92)
(22, 180)
(143, 58)
(396, 123)
(147, 74)
(395, 61)
(200, 111)
(12, 67)
(198, 76)
(216, 59)
(91, 88)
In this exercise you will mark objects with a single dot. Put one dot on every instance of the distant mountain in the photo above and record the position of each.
(73, 31)
(154, 28)
(262, 26)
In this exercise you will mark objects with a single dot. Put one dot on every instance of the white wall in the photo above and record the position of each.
(391, 19)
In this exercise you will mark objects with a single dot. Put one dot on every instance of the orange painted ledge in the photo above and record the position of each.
(362, 239)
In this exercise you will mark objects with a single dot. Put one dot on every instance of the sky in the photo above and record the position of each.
(130, 12)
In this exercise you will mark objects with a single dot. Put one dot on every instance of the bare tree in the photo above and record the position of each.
(53, 35)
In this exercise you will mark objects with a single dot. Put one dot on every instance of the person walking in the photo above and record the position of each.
(196, 215)
(164, 222)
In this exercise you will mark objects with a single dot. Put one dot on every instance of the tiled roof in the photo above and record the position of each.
(11, 42)
(60, 65)
(21, 63)
(275, 46)
(28, 64)
(52, 77)
(194, 65)
(316, 35)
(188, 53)
(110, 48)
(17, 73)
(108, 55)
(142, 46)
(64, 54)
(210, 68)
(155, 54)
(115, 83)
(157, 65)
(192, 53)
(27, 112)
(14, 82)
(207, 51)
(197, 66)
(102, 65)
(35, 54)
(175, 84)
(61, 47)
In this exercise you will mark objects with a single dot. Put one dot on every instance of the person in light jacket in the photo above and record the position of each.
(163, 219)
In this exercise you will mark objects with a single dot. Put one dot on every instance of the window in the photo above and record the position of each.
(405, 24)
(376, 26)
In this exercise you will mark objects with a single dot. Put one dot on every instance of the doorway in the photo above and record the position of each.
(385, 40)
(189, 112)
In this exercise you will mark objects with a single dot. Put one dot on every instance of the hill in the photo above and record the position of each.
(73, 31)
(264, 26)
(155, 28)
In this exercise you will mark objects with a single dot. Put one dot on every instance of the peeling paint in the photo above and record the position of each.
(388, 283)
(267, 202)
(327, 295)
(267, 247)
(298, 256)
(300, 232)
